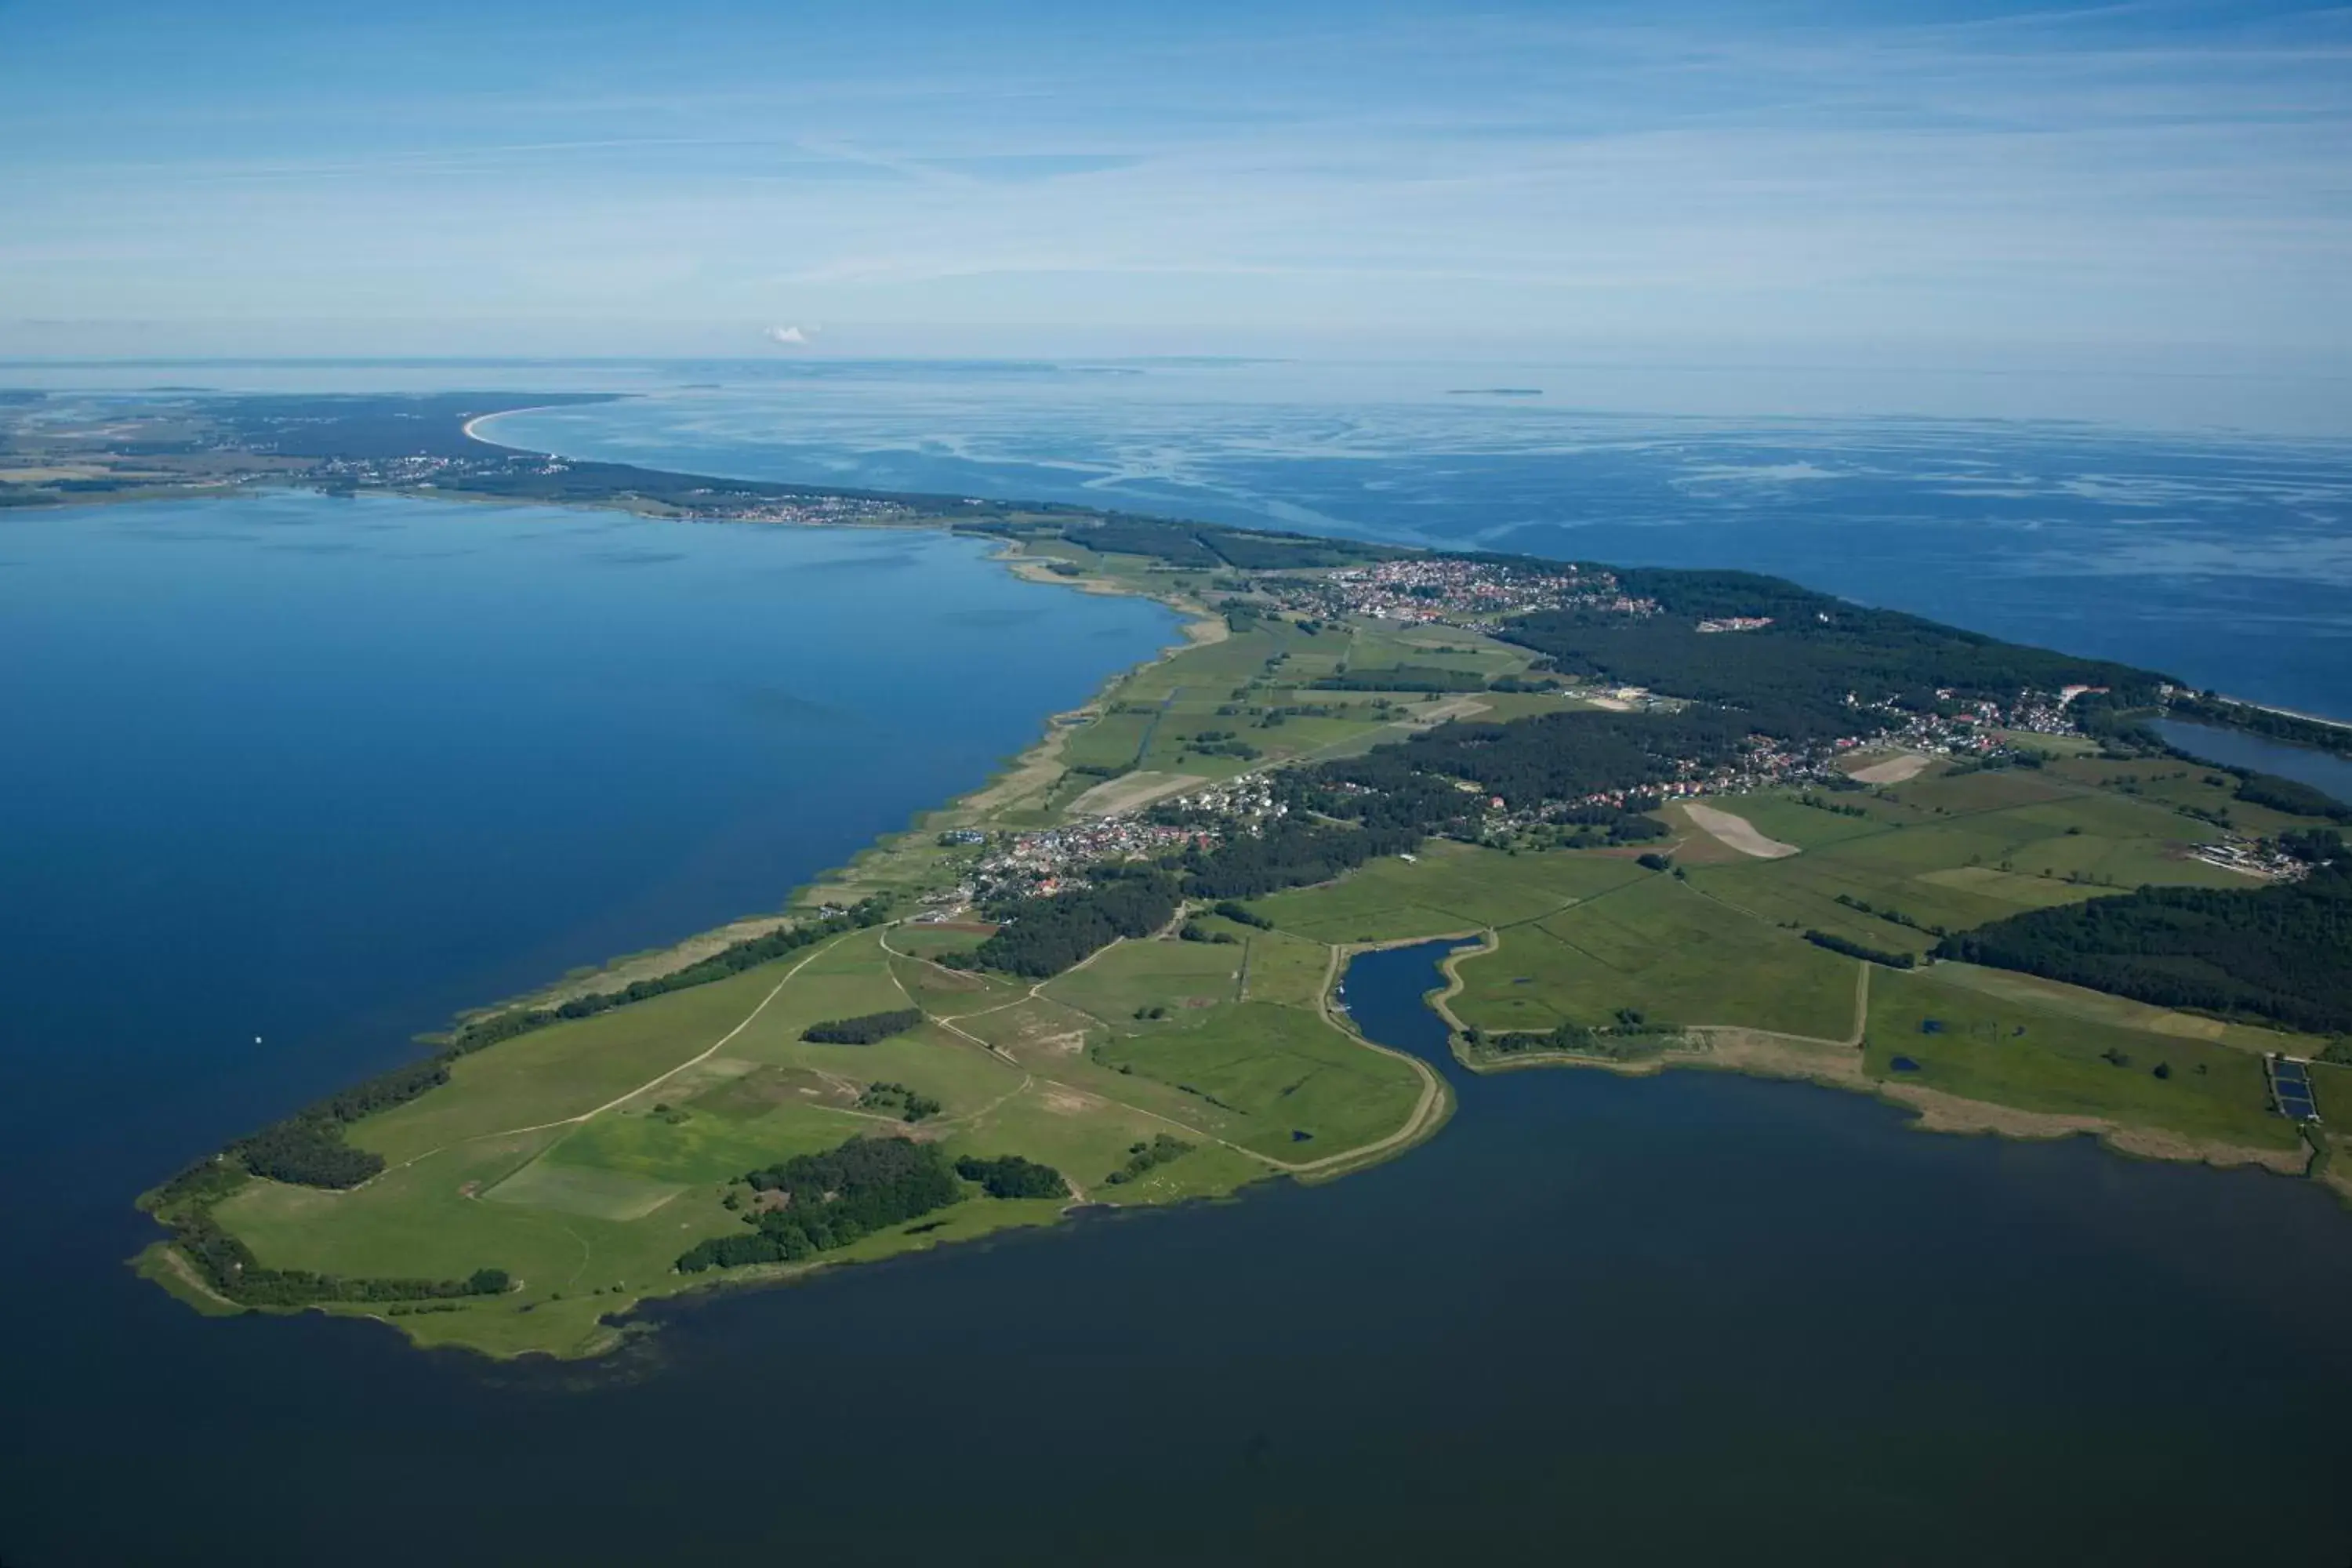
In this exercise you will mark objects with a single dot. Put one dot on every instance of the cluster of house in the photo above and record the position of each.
(1451, 592)
(2251, 857)
(1050, 859)
(1245, 801)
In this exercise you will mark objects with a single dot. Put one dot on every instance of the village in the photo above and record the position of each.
(1449, 592)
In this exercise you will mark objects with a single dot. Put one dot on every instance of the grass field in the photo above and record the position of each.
(1962, 1040)
(1446, 888)
(583, 1157)
(1279, 1080)
(1666, 949)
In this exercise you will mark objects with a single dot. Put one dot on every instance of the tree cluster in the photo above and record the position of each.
(1042, 936)
(1011, 1176)
(1836, 943)
(864, 1029)
(2282, 953)
(829, 1200)
(1143, 1157)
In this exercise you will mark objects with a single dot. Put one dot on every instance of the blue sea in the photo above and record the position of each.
(2221, 556)
(287, 780)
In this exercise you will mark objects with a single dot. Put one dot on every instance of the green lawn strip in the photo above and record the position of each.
(1664, 950)
(2099, 1008)
(566, 1070)
(1172, 974)
(2060, 1063)
(1280, 1070)
(428, 1219)
(1087, 1137)
(1287, 969)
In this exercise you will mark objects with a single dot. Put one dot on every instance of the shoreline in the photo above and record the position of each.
(1838, 1064)
(1730, 1048)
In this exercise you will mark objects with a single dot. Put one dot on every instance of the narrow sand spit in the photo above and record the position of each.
(1894, 770)
(1738, 832)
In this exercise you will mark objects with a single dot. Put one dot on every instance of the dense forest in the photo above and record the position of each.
(1793, 677)
(819, 1202)
(2291, 796)
(1044, 935)
(864, 1029)
(1289, 854)
(2282, 953)
(2292, 728)
(1552, 756)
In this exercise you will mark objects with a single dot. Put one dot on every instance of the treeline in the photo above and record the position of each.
(1144, 1157)
(2282, 953)
(1556, 756)
(1891, 916)
(1042, 936)
(230, 1269)
(864, 1029)
(1401, 677)
(2291, 728)
(832, 1199)
(2290, 795)
(1011, 1176)
(1200, 545)
(730, 961)
(1289, 854)
(1836, 943)
(1632, 1041)
(307, 1148)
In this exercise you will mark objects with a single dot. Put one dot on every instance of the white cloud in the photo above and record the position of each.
(792, 337)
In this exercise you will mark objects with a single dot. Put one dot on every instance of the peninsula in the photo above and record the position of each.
(1690, 819)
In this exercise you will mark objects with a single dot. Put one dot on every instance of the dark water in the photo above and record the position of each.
(320, 772)
(323, 773)
(2320, 769)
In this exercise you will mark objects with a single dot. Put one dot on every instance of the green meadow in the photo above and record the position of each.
(583, 1157)
(1578, 937)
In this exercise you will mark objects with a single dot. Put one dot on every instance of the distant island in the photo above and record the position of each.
(1679, 819)
(1494, 391)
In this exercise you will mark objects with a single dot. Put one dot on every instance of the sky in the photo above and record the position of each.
(1466, 181)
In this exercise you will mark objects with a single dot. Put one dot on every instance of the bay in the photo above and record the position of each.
(288, 780)
(322, 772)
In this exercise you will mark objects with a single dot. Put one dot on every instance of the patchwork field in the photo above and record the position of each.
(1579, 937)
(583, 1158)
